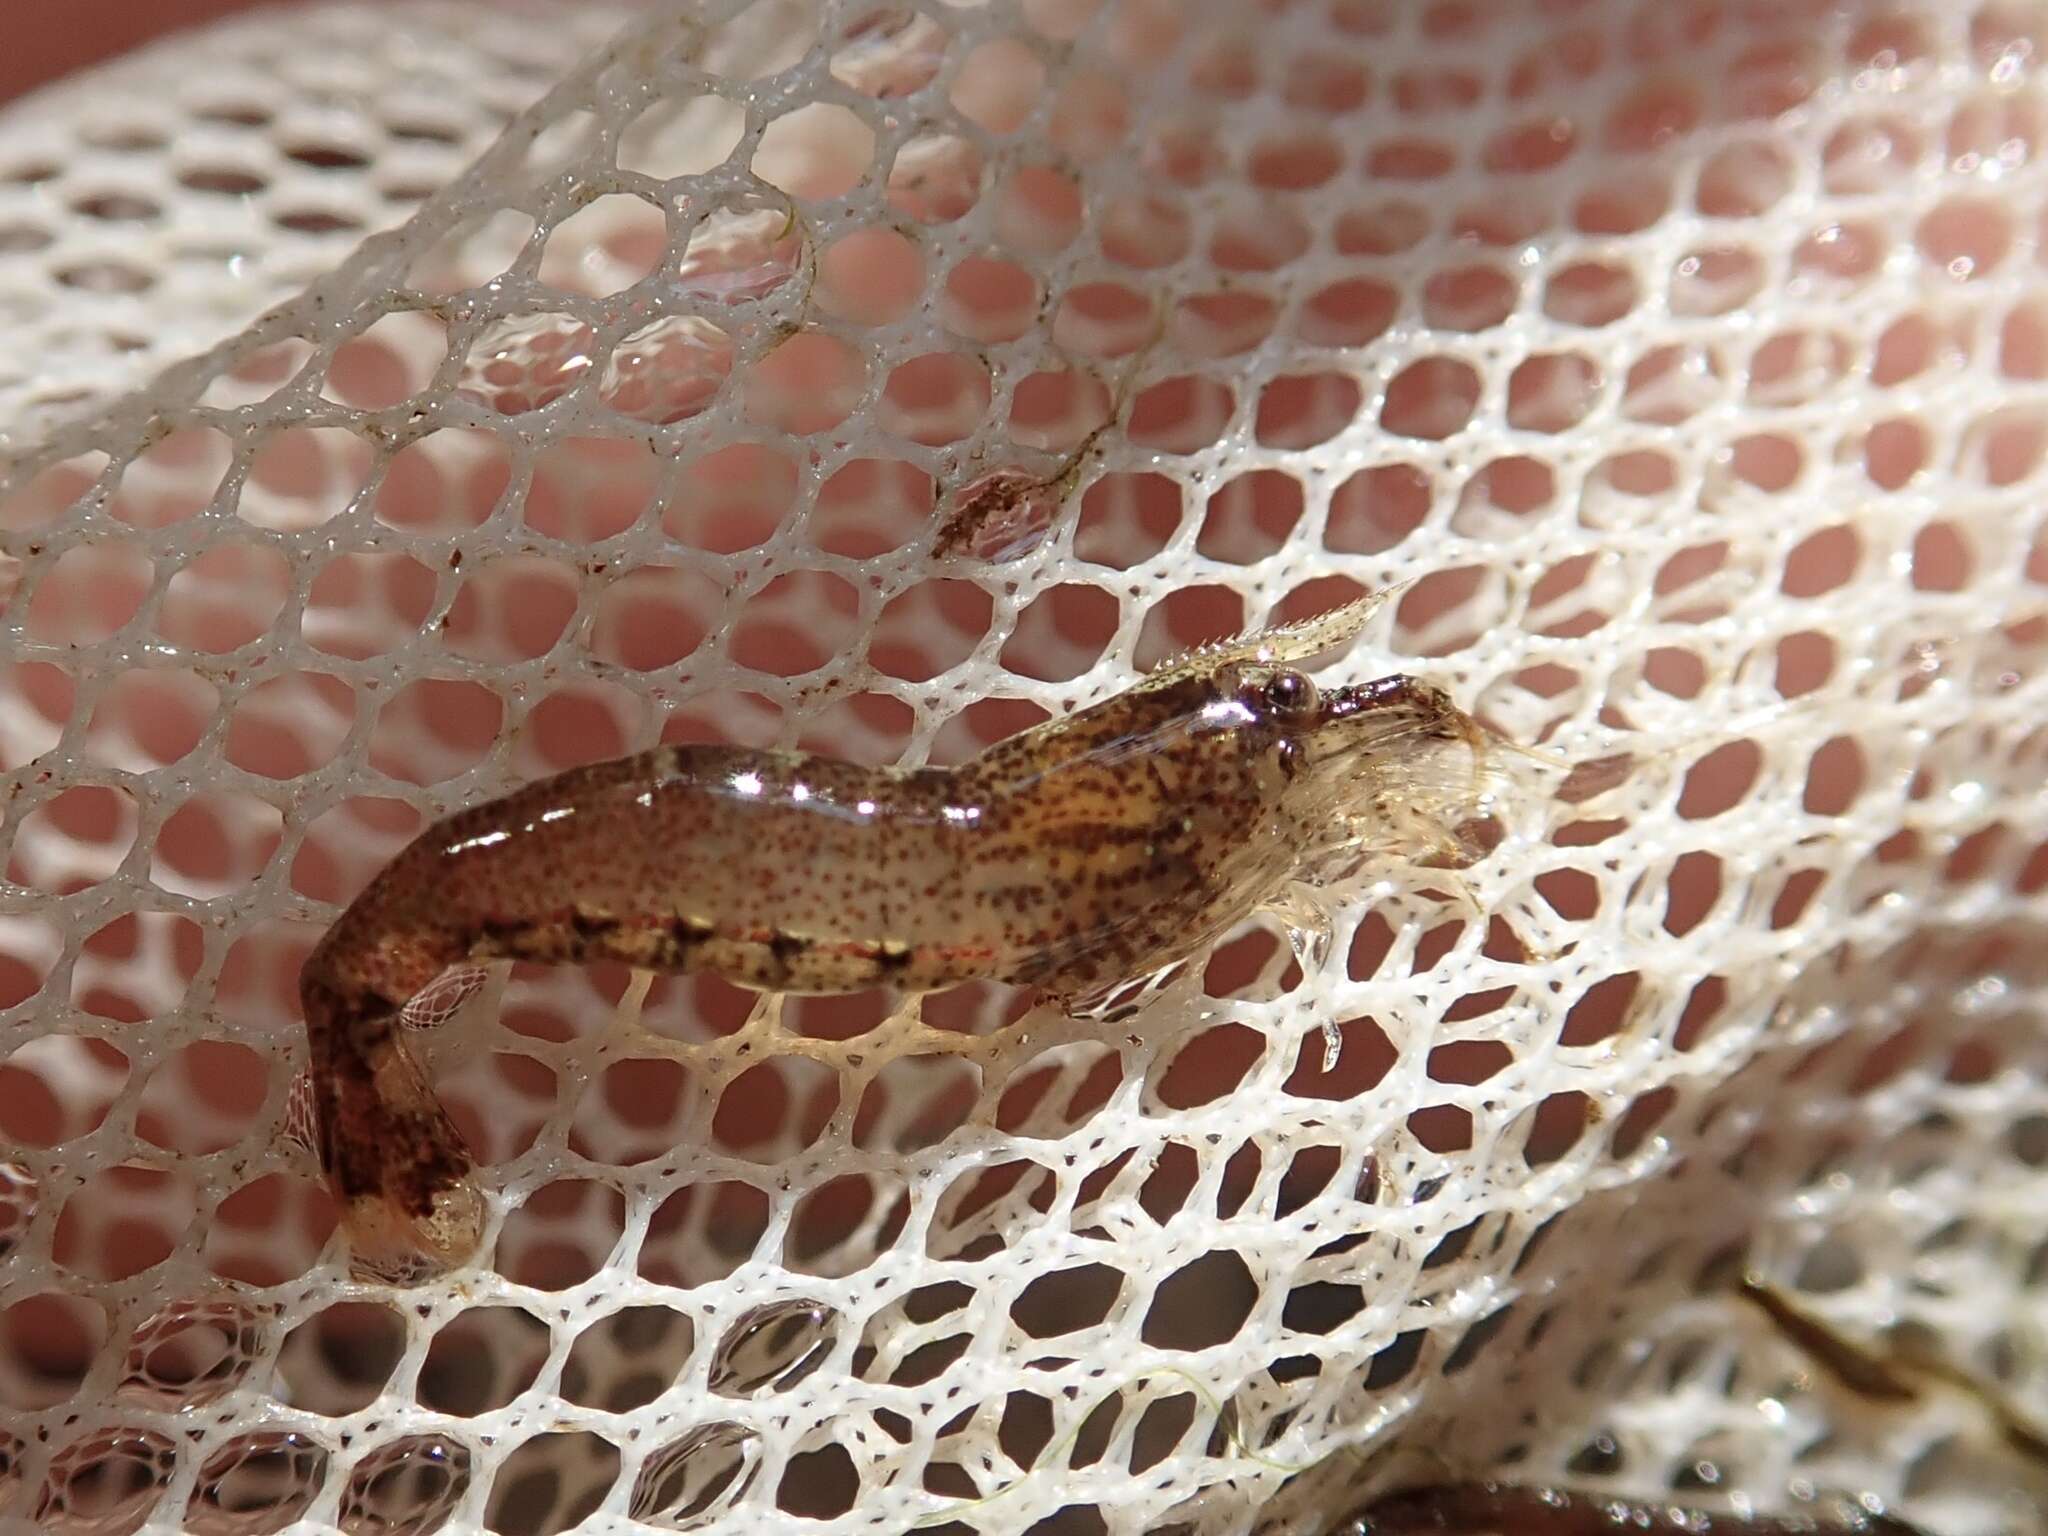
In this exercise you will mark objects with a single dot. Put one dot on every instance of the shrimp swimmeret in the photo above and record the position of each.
(1082, 854)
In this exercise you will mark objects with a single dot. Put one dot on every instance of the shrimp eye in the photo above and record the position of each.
(1289, 693)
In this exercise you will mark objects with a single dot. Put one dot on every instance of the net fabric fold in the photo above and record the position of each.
(880, 380)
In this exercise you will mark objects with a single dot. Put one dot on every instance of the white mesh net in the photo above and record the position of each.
(881, 380)
(158, 204)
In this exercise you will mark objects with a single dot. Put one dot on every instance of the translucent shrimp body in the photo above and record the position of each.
(1084, 853)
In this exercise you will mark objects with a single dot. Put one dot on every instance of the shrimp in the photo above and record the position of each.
(1096, 848)
(1493, 1509)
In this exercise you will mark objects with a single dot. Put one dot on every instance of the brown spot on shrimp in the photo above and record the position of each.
(1089, 852)
(787, 948)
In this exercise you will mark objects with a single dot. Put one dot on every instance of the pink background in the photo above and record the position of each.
(44, 42)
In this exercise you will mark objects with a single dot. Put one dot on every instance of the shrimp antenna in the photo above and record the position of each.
(1294, 642)
(1325, 632)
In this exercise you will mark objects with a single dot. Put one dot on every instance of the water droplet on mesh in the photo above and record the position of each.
(667, 371)
(526, 361)
(736, 254)
(105, 1483)
(406, 1488)
(443, 997)
(300, 1127)
(256, 1484)
(775, 1346)
(692, 1478)
(1001, 516)
(192, 1352)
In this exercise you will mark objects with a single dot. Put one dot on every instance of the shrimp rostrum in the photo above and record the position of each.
(1093, 849)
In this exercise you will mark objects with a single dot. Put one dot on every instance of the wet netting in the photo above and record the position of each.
(402, 404)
